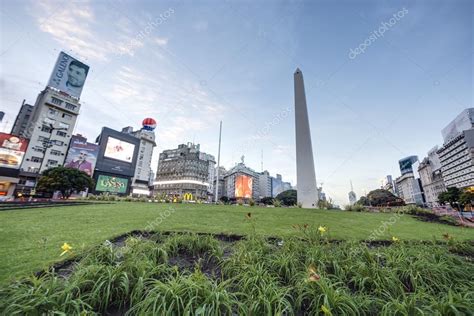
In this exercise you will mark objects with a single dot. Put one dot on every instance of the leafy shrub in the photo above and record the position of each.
(276, 203)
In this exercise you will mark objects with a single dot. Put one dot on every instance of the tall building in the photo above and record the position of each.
(457, 160)
(389, 185)
(431, 177)
(457, 153)
(51, 121)
(49, 131)
(409, 189)
(242, 182)
(183, 170)
(406, 164)
(265, 184)
(305, 174)
(222, 172)
(22, 120)
(143, 177)
(211, 172)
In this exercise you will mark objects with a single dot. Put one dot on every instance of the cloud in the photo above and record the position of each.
(161, 41)
(77, 27)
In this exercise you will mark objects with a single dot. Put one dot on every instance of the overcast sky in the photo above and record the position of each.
(190, 64)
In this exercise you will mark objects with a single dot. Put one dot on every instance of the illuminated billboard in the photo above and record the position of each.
(68, 75)
(82, 155)
(243, 186)
(12, 150)
(111, 184)
(119, 149)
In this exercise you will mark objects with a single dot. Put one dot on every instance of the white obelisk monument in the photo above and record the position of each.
(305, 174)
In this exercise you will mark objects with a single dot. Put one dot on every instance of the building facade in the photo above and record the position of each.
(49, 131)
(431, 177)
(409, 189)
(182, 171)
(278, 185)
(457, 160)
(265, 184)
(22, 120)
(242, 182)
(143, 177)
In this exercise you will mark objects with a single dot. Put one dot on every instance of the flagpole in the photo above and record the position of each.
(218, 163)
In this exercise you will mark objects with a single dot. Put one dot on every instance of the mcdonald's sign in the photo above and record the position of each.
(187, 196)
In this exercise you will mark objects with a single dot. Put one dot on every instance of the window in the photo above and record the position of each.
(52, 162)
(48, 121)
(63, 125)
(52, 112)
(42, 139)
(67, 116)
(36, 159)
(61, 133)
(58, 142)
(56, 101)
(70, 106)
(46, 129)
(38, 149)
(55, 152)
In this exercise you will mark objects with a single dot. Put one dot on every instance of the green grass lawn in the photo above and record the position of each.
(30, 240)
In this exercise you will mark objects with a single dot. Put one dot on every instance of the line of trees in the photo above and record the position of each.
(458, 199)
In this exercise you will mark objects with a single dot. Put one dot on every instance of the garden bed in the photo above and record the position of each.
(179, 273)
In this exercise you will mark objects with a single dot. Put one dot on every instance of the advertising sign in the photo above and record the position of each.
(82, 155)
(119, 149)
(111, 184)
(12, 150)
(68, 75)
(243, 186)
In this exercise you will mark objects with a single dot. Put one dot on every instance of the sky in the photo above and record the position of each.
(382, 78)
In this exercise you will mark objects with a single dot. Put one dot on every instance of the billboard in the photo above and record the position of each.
(68, 75)
(462, 122)
(82, 155)
(12, 150)
(117, 153)
(243, 186)
(111, 184)
(119, 149)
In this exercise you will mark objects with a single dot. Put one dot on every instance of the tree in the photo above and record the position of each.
(224, 199)
(466, 198)
(65, 180)
(363, 201)
(288, 197)
(451, 196)
(268, 200)
(382, 197)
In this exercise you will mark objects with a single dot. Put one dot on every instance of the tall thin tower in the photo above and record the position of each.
(305, 174)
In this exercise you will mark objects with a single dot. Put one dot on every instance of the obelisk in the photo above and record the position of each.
(305, 174)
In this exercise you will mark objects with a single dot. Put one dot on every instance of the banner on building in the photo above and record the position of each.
(243, 186)
(69, 75)
(12, 150)
(111, 184)
(82, 155)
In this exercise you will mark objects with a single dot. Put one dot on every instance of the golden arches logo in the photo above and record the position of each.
(187, 197)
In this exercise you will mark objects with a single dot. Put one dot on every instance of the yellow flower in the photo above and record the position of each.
(325, 310)
(313, 275)
(322, 229)
(395, 239)
(66, 248)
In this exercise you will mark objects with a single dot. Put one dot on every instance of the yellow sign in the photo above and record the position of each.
(187, 196)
